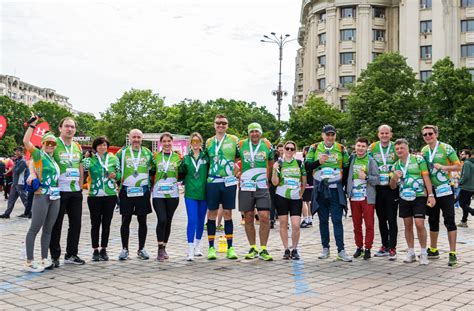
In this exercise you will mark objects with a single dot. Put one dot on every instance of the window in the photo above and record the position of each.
(348, 12)
(378, 35)
(425, 4)
(322, 60)
(467, 50)
(347, 58)
(348, 35)
(425, 26)
(322, 17)
(375, 55)
(467, 3)
(425, 52)
(467, 25)
(424, 75)
(322, 84)
(322, 39)
(378, 12)
(471, 71)
(343, 104)
(346, 80)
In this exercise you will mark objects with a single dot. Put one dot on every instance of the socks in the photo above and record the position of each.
(411, 251)
(211, 231)
(197, 243)
(263, 247)
(229, 230)
(424, 251)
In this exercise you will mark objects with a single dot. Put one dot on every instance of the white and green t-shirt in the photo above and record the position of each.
(69, 159)
(290, 175)
(46, 169)
(166, 180)
(222, 156)
(100, 184)
(135, 166)
(255, 158)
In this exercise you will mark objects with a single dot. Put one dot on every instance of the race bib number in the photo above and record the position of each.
(328, 173)
(165, 188)
(134, 191)
(248, 185)
(54, 193)
(408, 195)
(358, 194)
(384, 179)
(72, 174)
(230, 181)
(443, 190)
(292, 183)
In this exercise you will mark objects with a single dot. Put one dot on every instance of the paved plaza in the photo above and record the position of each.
(377, 284)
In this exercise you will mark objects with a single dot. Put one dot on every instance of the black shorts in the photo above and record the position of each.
(307, 194)
(218, 193)
(134, 205)
(416, 208)
(445, 204)
(285, 206)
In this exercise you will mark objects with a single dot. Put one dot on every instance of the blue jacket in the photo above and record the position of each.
(323, 189)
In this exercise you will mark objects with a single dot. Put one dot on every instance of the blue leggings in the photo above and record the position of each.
(196, 210)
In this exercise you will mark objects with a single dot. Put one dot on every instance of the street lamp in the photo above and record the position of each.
(280, 41)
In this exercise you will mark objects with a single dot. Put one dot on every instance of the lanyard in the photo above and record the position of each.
(328, 149)
(166, 164)
(385, 156)
(432, 155)
(58, 172)
(219, 145)
(253, 153)
(135, 161)
(405, 168)
(106, 165)
(69, 152)
(196, 164)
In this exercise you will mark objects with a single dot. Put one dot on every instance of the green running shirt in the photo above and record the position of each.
(290, 175)
(445, 155)
(166, 179)
(127, 168)
(195, 184)
(221, 164)
(100, 184)
(69, 162)
(46, 170)
(257, 171)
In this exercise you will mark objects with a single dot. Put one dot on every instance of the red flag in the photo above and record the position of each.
(3, 126)
(38, 133)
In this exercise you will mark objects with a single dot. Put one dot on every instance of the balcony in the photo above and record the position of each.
(321, 25)
(321, 71)
(347, 22)
(379, 21)
(347, 45)
(346, 69)
(321, 49)
(468, 37)
(470, 11)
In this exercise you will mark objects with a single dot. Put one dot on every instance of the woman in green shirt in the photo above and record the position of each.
(195, 166)
(104, 173)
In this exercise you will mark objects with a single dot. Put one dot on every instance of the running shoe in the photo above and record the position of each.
(433, 253)
(123, 254)
(142, 254)
(342, 256)
(197, 250)
(424, 259)
(73, 259)
(382, 252)
(47, 264)
(33, 267)
(294, 254)
(161, 255)
(56, 263)
(409, 258)
(265, 255)
(166, 254)
(304, 224)
(231, 253)
(211, 253)
(190, 255)
(358, 253)
(220, 228)
(367, 254)
(324, 254)
(96, 255)
(287, 254)
(392, 254)
(453, 259)
(462, 224)
(252, 253)
(103, 255)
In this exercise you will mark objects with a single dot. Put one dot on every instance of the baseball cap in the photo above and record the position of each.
(328, 128)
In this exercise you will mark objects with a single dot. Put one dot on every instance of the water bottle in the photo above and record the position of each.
(222, 244)
(23, 251)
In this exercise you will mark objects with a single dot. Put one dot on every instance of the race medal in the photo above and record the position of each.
(106, 174)
(196, 175)
(402, 180)
(135, 174)
(216, 159)
(165, 176)
(252, 164)
(430, 166)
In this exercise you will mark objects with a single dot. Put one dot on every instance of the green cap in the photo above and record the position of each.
(46, 136)
(255, 127)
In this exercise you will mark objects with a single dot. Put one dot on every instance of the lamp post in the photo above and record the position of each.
(280, 40)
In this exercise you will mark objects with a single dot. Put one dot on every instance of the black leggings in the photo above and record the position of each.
(164, 209)
(101, 212)
(125, 230)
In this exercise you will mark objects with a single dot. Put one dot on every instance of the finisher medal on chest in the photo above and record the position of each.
(216, 159)
(252, 164)
(430, 166)
(165, 176)
(106, 174)
(135, 174)
(196, 175)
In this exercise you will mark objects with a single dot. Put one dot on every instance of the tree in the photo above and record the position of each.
(16, 114)
(448, 100)
(7, 146)
(87, 124)
(52, 113)
(385, 93)
(306, 123)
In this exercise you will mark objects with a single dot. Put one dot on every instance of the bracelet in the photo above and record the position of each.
(431, 195)
(32, 126)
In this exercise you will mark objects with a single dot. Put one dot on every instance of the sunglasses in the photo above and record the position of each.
(290, 149)
(195, 141)
(221, 123)
(428, 134)
(50, 143)
(330, 134)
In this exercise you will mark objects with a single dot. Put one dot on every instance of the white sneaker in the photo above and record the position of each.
(324, 254)
(409, 258)
(424, 259)
(197, 249)
(47, 263)
(342, 256)
(190, 254)
(33, 267)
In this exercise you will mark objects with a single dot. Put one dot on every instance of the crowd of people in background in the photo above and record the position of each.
(384, 179)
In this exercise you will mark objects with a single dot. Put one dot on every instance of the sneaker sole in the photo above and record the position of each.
(340, 259)
(433, 257)
(142, 258)
(73, 263)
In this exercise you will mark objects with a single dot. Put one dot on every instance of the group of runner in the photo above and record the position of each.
(381, 177)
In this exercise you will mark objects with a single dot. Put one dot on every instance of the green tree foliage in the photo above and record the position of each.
(16, 114)
(385, 93)
(87, 124)
(306, 123)
(52, 113)
(447, 98)
(7, 146)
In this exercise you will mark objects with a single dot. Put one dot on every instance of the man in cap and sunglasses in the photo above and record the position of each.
(327, 160)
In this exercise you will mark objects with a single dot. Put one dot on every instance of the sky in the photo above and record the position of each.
(92, 51)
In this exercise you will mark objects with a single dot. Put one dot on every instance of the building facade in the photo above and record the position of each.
(29, 94)
(338, 38)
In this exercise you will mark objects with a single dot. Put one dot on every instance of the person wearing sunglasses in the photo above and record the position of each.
(136, 165)
(289, 175)
(44, 172)
(442, 160)
(328, 161)
(165, 191)
(386, 199)
(103, 168)
(410, 175)
(223, 152)
(194, 167)
(256, 161)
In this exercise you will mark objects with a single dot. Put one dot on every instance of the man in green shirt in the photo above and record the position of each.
(257, 159)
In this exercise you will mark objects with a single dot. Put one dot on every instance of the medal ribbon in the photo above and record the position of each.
(252, 153)
(135, 161)
(219, 145)
(106, 165)
(432, 155)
